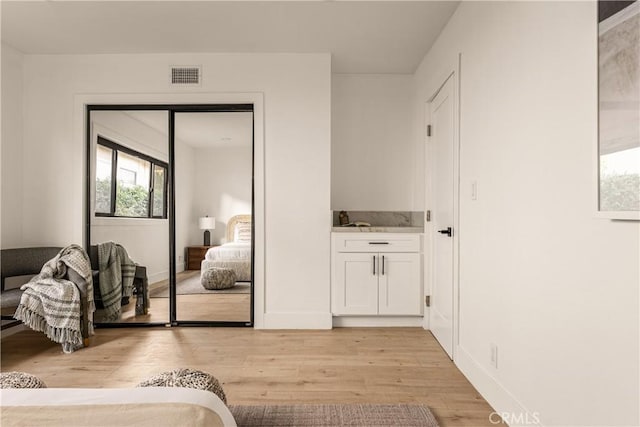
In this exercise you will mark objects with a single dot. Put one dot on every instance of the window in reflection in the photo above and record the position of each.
(124, 185)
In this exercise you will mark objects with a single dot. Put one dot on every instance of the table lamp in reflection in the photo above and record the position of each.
(207, 223)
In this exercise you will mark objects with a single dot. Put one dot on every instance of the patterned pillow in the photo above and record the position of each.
(242, 232)
(188, 378)
(20, 380)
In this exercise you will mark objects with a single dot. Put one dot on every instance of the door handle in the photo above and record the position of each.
(383, 265)
(374, 265)
(448, 231)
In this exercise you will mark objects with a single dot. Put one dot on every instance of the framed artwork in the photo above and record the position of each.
(619, 109)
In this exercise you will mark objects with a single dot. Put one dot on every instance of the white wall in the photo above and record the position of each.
(186, 226)
(146, 240)
(373, 158)
(297, 91)
(11, 148)
(555, 288)
(223, 187)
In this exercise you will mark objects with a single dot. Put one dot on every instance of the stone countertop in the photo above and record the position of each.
(377, 229)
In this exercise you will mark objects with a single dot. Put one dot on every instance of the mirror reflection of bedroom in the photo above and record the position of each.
(133, 203)
(129, 223)
(213, 205)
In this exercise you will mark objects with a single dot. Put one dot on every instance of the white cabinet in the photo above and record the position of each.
(399, 290)
(376, 274)
(356, 285)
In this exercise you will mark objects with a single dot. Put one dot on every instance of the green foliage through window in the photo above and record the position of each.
(620, 193)
(103, 195)
(132, 200)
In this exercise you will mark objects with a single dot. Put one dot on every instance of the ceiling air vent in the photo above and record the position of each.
(185, 75)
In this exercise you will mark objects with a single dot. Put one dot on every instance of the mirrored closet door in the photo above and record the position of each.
(170, 214)
(128, 233)
(213, 211)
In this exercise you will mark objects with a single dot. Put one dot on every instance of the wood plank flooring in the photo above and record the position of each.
(205, 307)
(343, 365)
(198, 307)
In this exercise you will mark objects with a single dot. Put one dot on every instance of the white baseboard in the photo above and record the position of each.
(513, 412)
(304, 320)
(376, 321)
(157, 277)
(163, 275)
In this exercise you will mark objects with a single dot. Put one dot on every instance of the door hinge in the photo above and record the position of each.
(428, 216)
(427, 300)
(428, 130)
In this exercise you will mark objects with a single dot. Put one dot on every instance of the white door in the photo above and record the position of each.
(441, 143)
(356, 283)
(399, 284)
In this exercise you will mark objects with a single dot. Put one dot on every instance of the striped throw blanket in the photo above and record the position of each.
(115, 275)
(50, 302)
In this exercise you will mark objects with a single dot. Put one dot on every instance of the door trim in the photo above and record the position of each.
(451, 72)
(81, 163)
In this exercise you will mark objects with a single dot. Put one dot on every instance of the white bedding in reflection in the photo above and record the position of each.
(231, 251)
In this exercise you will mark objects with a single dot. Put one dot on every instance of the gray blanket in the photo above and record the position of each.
(51, 303)
(116, 274)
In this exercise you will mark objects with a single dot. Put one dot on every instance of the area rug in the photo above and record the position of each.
(192, 286)
(355, 415)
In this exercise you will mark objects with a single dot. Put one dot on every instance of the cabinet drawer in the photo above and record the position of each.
(377, 242)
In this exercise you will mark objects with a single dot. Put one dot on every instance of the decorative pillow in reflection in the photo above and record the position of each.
(242, 232)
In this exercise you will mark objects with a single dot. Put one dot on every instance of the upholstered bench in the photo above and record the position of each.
(216, 278)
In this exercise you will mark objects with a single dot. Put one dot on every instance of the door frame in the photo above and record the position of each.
(451, 70)
(158, 101)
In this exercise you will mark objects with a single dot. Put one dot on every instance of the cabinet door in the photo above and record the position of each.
(355, 284)
(400, 288)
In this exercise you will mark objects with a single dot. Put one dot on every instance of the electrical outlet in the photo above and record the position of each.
(474, 190)
(493, 355)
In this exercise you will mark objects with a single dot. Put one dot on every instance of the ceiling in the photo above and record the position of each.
(362, 36)
(203, 130)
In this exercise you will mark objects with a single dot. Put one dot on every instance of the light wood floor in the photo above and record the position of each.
(218, 307)
(343, 365)
(199, 307)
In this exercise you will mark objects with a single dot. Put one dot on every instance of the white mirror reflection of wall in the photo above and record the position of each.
(129, 172)
(619, 109)
(213, 178)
